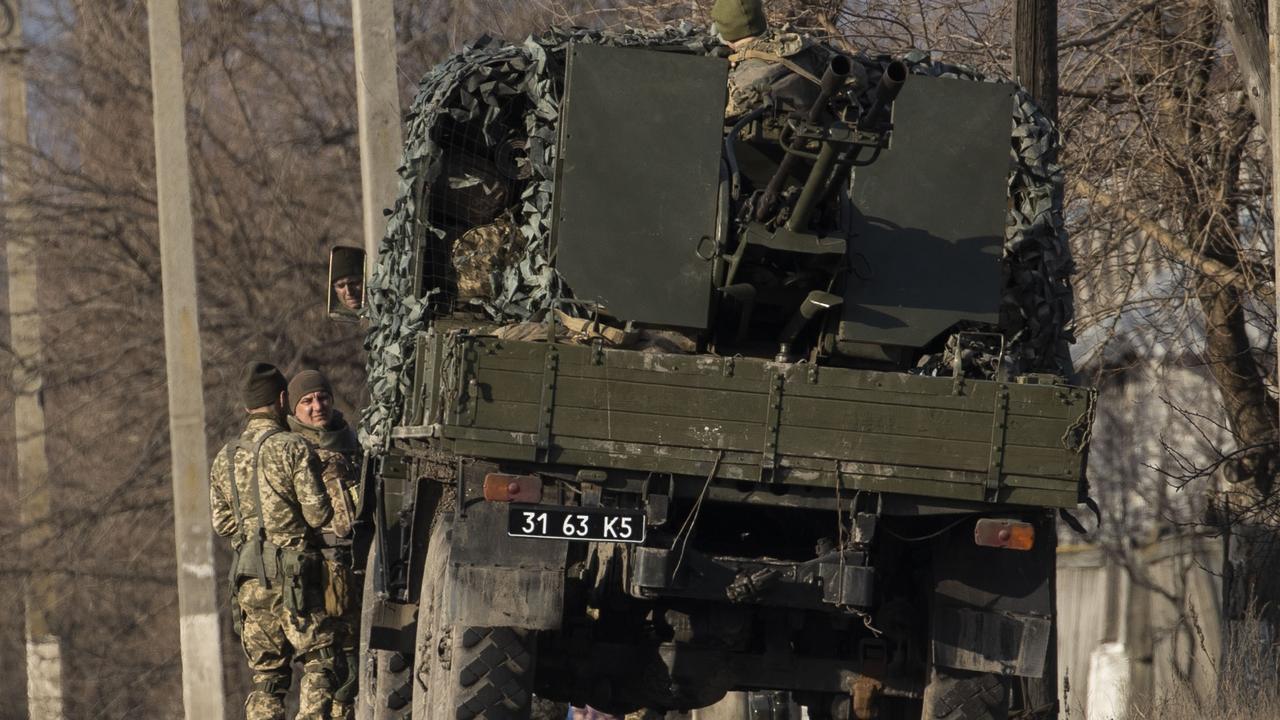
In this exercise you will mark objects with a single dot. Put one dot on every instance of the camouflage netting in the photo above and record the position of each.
(505, 99)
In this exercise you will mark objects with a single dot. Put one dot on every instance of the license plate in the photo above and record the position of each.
(576, 523)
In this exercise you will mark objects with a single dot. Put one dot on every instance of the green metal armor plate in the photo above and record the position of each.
(930, 216)
(636, 186)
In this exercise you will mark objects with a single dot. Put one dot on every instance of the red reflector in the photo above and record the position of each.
(1009, 534)
(512, 488)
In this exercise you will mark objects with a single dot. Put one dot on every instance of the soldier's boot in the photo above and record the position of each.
(344, 696)
(266, 700)
(319, 673)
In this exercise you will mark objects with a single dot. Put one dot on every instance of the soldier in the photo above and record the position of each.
(348, 282)
(336, 446)
(738, 22)
(769, 66)
(266, 495)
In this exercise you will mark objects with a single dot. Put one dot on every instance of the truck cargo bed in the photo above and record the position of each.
(750, 420)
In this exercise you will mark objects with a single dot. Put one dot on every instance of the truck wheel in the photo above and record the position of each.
(964, 695)
(430, 639)
(494, 675)
(385, 685)
(470, 672)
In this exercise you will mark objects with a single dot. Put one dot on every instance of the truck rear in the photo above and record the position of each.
(677, 395)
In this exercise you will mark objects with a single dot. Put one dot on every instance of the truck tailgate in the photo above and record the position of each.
(751, 420)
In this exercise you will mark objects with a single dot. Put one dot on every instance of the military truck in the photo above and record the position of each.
(673, 398)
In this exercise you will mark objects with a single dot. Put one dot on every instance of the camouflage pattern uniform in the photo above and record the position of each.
(481, 252)
(780, 67)
(294, 505)
(338, 451)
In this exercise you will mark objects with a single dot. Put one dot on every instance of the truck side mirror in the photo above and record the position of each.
(346, 283)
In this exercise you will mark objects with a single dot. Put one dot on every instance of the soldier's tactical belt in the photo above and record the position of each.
(298, 574)
(258, 561)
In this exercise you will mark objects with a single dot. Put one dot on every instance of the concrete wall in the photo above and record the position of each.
(1162, 604)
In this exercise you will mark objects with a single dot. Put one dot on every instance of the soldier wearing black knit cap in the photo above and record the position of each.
(266, 496)
(348, 282)
(334, 443)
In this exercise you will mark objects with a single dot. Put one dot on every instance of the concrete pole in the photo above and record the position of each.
(202, 693)
(378, 108)
(44, 650)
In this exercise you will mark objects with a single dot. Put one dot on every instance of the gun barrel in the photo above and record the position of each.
(833, 78)
(813, 187)
(891, 82)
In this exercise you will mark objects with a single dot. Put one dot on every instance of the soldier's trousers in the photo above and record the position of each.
(346, 641)
(272, 638)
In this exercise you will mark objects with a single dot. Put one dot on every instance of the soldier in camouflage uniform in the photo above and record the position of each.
(348, 282)
(266, 495)
(770, 66)
(338, 450)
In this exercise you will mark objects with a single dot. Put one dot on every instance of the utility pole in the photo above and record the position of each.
(1035, 65)
(1273, 13)
(1035, 51)
(202, 693)
(378, 108)
(44, 649)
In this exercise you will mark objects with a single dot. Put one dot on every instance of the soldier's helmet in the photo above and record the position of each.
(737, 19)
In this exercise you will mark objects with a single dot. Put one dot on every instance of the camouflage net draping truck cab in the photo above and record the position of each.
(696, 373)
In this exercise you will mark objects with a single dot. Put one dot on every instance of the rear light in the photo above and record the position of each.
(499, 487)
(1008, 534)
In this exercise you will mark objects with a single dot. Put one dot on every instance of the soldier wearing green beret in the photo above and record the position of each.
(776, 67)
(266, 495)
(335, 445)
(738, 22)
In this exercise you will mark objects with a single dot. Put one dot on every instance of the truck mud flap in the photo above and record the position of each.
(510, 597)
(1006, 643)
(505, 581)
(992, 609)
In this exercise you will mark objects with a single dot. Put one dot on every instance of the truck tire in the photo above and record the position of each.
(429, 639)
(964, 695)
(470, 673)
(385, 683)
(494, 675)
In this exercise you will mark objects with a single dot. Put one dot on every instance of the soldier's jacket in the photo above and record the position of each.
(781, 67)
(338, 452)
(480, 252)
(294, 502)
